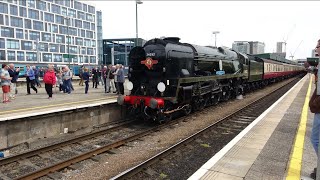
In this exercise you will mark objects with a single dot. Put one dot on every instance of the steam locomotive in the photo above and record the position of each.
(167, 76)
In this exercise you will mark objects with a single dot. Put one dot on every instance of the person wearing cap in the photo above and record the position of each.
(5, 83)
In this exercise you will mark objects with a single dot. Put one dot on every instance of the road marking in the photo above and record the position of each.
(53, 105)
(294, 171)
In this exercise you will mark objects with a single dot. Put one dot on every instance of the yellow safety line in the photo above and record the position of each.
(296, 158)
(53, 105)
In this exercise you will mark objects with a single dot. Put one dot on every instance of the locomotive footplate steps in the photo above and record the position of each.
(264, 149)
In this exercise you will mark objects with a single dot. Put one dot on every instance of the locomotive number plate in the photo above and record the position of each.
(151, 54)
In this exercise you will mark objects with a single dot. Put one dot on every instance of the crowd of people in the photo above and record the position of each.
(111, 77)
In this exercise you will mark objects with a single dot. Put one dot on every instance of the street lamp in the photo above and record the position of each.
(215, 37)
(137, 2)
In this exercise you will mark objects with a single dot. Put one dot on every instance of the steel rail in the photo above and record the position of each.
(134, 170)
(60, 165)
(31, 153)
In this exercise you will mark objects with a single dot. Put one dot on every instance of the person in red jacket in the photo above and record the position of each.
(49, 80)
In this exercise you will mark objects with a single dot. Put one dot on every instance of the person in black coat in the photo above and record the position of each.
(14, 74)
(95, 77)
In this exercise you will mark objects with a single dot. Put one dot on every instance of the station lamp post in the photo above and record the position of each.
(137, 2)
(215, 37)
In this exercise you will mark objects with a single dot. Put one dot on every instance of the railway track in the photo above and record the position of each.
(33, 164)
(167, 163)
(31, 156)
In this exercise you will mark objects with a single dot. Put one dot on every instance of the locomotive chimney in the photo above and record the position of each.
(172, 39)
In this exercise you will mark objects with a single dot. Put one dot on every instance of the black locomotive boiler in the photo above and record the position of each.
(167, 76)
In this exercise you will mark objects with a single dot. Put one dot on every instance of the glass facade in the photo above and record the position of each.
(43, 31)
(116, 51)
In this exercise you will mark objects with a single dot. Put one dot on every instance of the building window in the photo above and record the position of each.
(26, 45)
(86, 25)
(44, 47)
(93, 27)
(46, 37)
(55, 9)
(26, 34)
(60, 39)
(79, 41)
(67, 3)
(92, 60)
(19, 33)
(62, 49)
(13, 44)
(27, 24)
(87, 42)
(3, 55)
(81, 15)
(33, 14)
(23, 12)
(89, 17)
(2, 43)
(83, 33)
(72, 13)
(78, 5)
(57, 58)
(49, 17)
(16, 22)
(11, 55)
(13, 10)
(93, 43)
(89, 34)
(1, 19)
(63, 30)
(46, 57)
(59, 19)
(73, 50)
(31, 3)
(22, 3)
(34, 35)
(20, 56)
(91, 9)
(64, 11)
(37, 25)
(41, 5)
(31, 56)
(7, 32)
(54, 28)
(54, 47)
(72, 31)
(4, 8)
(89, 51)
(78, 23)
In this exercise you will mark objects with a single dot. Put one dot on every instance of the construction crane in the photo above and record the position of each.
(292, 55)
(286, 39)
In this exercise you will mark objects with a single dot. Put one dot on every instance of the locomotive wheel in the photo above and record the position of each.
(215, 99)
(187, 110)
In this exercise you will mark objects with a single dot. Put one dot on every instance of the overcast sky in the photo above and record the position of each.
(193, 21)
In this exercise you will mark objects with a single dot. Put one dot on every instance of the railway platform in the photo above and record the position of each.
(38, 103)
(29, 118)
(275, 146)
